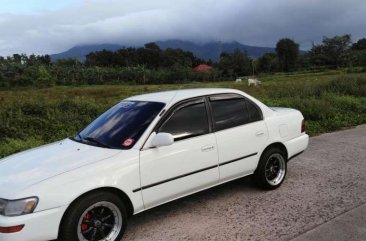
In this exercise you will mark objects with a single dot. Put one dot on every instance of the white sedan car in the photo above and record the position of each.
(145, 151)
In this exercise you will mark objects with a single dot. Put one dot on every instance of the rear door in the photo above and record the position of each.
(188, 165)
(240, 132)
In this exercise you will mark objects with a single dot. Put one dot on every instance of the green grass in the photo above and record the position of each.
(30, 117)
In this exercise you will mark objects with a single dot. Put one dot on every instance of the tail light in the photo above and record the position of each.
(303, 126)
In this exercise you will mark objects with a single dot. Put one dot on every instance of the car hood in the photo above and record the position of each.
(27, 168)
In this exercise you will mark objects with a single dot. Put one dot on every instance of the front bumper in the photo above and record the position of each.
(38, 226)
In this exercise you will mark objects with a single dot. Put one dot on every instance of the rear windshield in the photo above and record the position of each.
(121, 126)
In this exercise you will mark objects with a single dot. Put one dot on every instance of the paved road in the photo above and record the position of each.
(350, 226)
(324, 187)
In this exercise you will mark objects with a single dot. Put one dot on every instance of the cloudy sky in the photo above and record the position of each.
(48, 26)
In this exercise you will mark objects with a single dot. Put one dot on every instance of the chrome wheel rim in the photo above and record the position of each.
(275, 169)
(100, 222)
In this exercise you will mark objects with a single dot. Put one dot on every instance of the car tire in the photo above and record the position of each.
(272, 169)
(94, 216)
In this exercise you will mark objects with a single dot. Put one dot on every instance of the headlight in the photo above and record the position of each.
(18, 207)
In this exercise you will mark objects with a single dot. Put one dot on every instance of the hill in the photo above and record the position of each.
(212, 50)
(80, 52)
(205, 51)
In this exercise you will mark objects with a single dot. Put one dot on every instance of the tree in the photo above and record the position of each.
(44, 59)
(287, 51)
(127, 57)
(268, 63)
(235, 64)
(178, 58)
(359, 45)
(68, 62)
(304, 61)
(336, 48)
(152, 46)
(105, 58)
(44, 78)
(358, 58)
(332, 51)
(358, 53)
(150, 56)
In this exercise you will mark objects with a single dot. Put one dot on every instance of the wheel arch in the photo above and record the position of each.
(126, 200)
(279, 145)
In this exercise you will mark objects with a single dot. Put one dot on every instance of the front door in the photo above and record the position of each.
(189, 164)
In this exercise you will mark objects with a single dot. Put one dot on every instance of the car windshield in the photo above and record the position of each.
(121, 126)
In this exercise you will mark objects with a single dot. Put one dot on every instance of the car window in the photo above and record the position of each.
(122, 125)
(228, 113)
(188, 121)
(254, 112)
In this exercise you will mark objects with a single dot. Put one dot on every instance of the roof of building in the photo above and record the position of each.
(202, 68)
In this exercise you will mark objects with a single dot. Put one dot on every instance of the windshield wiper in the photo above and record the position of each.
(81, 138)
(74, 138)
(96, 141)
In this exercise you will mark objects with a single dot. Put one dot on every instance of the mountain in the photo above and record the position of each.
(80, 52)
(211, 50)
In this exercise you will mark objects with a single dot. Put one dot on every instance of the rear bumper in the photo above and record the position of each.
(297, 145)
(39, 226)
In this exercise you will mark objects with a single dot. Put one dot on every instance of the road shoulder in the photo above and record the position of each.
(350, 226)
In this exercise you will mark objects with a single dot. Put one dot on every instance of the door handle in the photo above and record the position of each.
(207, 148)
(259, 133)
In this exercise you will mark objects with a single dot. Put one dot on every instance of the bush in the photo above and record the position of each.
(10, 146)
(44, 78)
(33, 117)
(348, 85)
(44, 121)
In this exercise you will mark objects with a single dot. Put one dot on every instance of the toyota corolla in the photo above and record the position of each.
(145, 151)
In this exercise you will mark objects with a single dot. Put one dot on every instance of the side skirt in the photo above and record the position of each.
(188, 194)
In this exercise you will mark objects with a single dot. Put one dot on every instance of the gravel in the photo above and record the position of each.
(327, 180)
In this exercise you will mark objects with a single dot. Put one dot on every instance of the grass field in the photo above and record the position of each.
(329, 100)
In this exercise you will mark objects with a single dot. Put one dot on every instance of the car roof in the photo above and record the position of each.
(173, 96)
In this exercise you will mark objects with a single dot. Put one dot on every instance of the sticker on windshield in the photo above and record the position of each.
(128, 142)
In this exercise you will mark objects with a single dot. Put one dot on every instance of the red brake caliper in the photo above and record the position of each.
(85, 226)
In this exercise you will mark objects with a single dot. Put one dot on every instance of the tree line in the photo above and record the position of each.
(332, 52)
(152, 65)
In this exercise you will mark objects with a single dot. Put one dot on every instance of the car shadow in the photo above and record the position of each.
(186, 204)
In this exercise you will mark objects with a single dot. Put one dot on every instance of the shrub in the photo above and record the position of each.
(348, 85)
(32, 117)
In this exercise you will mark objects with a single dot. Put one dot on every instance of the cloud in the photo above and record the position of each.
(128, 22)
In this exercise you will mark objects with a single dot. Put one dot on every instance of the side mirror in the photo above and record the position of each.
(162, 139)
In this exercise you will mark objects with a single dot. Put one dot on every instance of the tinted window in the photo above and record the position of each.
(229, 113)
(188, 121)
(122, 125)
(254, 113)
